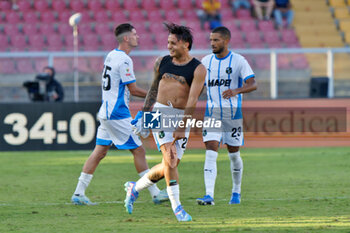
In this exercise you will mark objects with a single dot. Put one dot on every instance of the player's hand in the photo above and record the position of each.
(140, 131)
(178, 134)
(137, 126)
(229, 93)
(137, 117)
(136, 123)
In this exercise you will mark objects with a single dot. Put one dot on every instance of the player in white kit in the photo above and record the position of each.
(118, 82)
(228, 77)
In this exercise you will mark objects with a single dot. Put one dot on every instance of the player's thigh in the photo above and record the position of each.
(138, 152)
(211, 135)
(232, 149)
(233, 132)
(212, 145)
(102, 136)
(164, 137)
(121, 134)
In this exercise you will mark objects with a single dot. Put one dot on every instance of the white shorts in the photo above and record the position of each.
(231, 133)
(165, 134)
(117, 132)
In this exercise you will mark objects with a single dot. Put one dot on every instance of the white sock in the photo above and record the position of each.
(83, 183)
(210, 172)
(174, 196)
(236, 171)
(145, 182)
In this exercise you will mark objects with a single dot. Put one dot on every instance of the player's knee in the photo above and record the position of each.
(156, 176)
(99, 153)
(102, 155)
(171, 163)
(233, 149)
(235, 156)
(138, 152)
(236, 159)
(212, 145)
(170, 159)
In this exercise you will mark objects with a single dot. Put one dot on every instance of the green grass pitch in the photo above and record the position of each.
(283, 190)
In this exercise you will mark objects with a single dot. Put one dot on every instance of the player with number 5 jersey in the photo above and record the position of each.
(228, 77)
(118, 82)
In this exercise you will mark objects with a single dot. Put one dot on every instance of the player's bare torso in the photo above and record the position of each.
(173, 88)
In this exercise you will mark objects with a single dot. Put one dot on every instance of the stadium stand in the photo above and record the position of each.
(7, 66)
(5, 5)
(131, 5)
(77, 5)
(30, 17)
(95, 5)
(63, 16)
(167, 5)
(36, 42)
(98, 13)
(91, 42)
(316, 26)
(25, 66)
(42, 25)
(113, 5)
(149, 5)
(59, 5)
(24, 6)
(103, 28)
(41, 5)
(12, 17)
(3, 43)
(32, 29)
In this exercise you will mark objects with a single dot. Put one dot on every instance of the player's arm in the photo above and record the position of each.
(136, 91)
(195, 91)
(249, 81)
(127, 75)
(249, 86)
(153, 91)
(151, 98)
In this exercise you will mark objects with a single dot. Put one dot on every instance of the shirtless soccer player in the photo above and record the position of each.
(178, 82)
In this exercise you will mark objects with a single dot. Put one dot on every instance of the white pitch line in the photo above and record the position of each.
(243, 199)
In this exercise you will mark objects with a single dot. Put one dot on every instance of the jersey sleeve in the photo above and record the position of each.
(127, 72)
(246, 70)
(204, 61)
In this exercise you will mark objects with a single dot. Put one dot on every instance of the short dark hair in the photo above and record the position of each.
(181, 32)
(122, 28)
(52, 70)
(223, 31)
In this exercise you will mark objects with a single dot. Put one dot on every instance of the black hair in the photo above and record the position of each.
(122, 28)
(52, 70)
(223, 31)
(181, 32)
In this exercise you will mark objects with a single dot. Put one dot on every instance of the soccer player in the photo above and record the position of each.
(178, 82)
(229, 76)
(118, 82)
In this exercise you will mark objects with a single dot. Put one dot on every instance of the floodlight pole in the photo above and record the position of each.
(330, 73)
(274, 76)
(75, 63)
